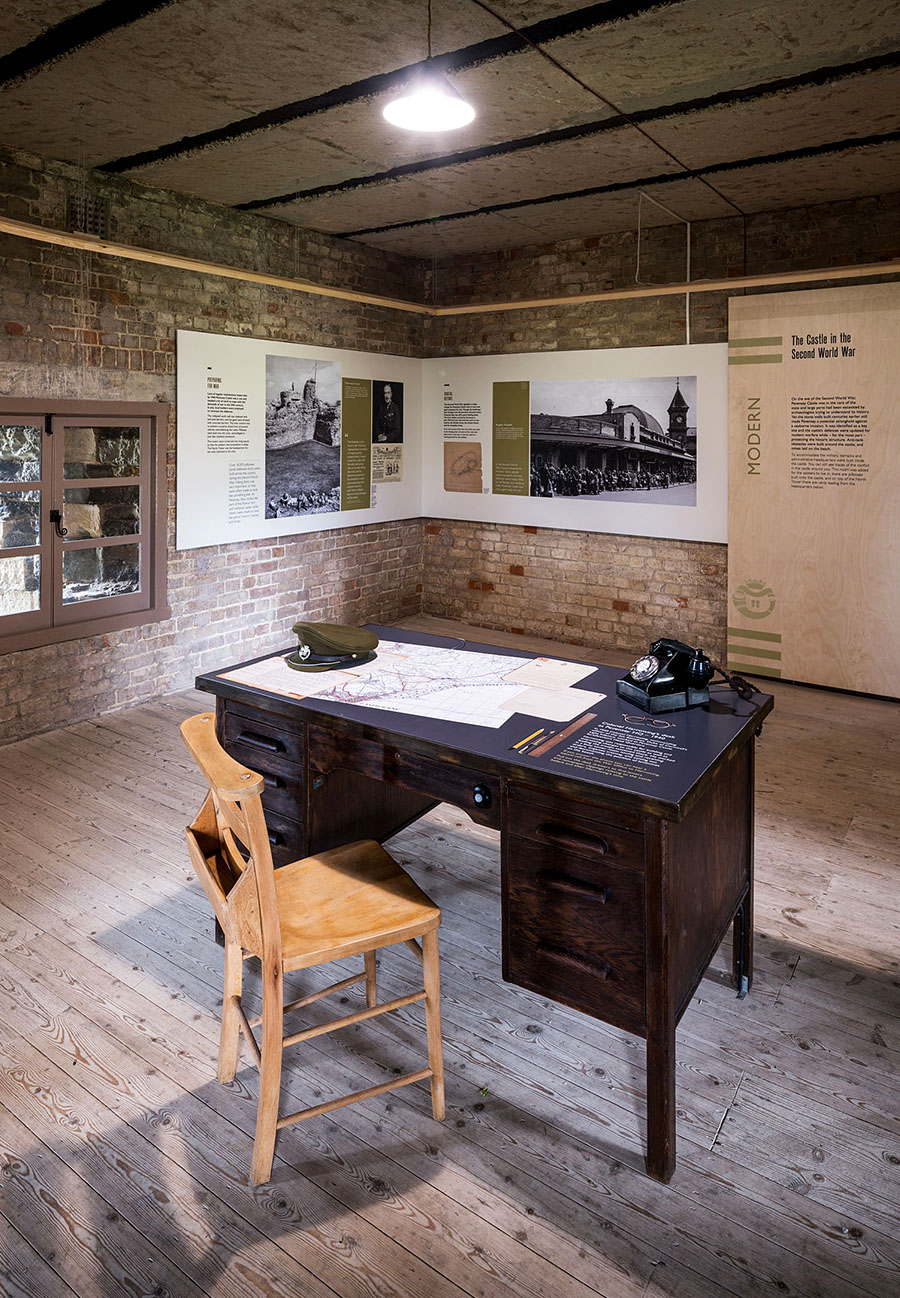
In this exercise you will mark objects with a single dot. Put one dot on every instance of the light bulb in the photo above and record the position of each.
(429, 103)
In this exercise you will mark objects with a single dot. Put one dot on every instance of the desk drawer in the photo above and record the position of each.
(262, 746)
(559, 825)
(471, 790)
(283, 793)
(286, 838)
(575, 930)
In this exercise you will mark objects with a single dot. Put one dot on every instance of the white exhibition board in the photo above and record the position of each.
(570, 385)
(230, 388)
(262, 453)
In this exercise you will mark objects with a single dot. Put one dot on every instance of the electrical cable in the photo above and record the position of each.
(561, 67)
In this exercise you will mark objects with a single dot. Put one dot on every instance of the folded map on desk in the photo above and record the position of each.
(477, 689)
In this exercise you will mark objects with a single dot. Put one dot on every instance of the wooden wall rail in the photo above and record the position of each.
(67, 239)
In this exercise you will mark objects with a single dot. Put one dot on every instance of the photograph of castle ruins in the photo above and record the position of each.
(615, 439)
(303, 436)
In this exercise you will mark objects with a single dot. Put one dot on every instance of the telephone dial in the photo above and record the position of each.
(670, 676)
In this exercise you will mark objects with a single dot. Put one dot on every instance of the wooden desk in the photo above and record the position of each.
(618, 883)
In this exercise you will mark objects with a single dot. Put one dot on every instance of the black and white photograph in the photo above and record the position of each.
(387, 411)
(615, 439)
(303, 436)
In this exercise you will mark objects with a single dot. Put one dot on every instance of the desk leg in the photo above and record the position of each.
(661, 1106)
(660, 1015)
(742, 941)
(742, 945)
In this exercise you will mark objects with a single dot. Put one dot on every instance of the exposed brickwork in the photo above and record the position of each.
(80, 325)
(77, 324)
(613, 591)
(605, 592)
(829, 234)
(228, 603)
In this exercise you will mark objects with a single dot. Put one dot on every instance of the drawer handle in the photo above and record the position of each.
(275, 838)
(580, 887)
(583, 964)
(569, 837)
(273, 781)
(259, 741)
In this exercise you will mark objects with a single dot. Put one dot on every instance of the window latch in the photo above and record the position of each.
(56, 520)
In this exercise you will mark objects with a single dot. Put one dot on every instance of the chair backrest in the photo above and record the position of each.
(229, 844)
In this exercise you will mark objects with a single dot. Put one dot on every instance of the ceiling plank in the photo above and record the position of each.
(698, 173)
(73, 34)
(743, 97)
(470, 56)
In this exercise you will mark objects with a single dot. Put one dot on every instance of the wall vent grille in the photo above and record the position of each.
(86, 214)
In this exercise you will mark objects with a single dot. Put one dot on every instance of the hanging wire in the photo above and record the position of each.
(84, 265)
(687, 273)
(591, 90)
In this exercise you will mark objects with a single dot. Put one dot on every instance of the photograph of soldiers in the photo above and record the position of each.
(617, 439)
(387, 411)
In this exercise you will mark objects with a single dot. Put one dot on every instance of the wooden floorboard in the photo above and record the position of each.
(123, 1163)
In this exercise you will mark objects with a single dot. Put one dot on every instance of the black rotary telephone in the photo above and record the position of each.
(670, 676)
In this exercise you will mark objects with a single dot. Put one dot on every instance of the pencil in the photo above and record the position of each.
(529, 748)
(524, 741)
(564, 734)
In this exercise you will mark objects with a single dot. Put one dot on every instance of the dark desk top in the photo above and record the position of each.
(660, 765)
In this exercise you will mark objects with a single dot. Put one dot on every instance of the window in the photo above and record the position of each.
(82, 510)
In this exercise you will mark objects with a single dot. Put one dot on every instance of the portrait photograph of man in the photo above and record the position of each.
(387, 411)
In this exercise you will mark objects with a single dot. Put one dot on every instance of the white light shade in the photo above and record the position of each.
(429, 103)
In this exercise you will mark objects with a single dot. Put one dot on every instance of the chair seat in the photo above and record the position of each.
(347, 900)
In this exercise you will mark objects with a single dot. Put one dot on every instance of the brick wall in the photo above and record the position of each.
(830, 234)
(599, 590)
(79, 325)
(73, 324)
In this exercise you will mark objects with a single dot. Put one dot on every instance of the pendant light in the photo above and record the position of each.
(429, 102)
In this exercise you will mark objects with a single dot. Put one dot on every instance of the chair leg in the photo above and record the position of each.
(229, 1038)
(269, 1076)
(431, 968)
(371, 990)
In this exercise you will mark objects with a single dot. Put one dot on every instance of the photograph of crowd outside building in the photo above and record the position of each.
(617, 439)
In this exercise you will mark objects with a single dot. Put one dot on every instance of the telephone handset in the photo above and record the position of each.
(670, 676)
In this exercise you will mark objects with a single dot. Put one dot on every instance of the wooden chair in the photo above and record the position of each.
(347, 901)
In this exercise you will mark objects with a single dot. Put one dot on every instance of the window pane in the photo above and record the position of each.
(20, 519)
(20, 584)
(101, 511)
(101, 572)
(91, 452)
(20, 453)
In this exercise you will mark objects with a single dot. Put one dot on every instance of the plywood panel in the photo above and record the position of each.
(814, 484)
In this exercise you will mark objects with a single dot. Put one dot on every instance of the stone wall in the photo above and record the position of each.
(77, 325)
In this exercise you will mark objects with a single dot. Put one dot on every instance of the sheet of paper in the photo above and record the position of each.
(420, 680)
(270, 674)
(550, 673)
(274, 674)
(553, 705)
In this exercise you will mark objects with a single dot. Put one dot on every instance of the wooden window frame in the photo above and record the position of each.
(61, 622)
